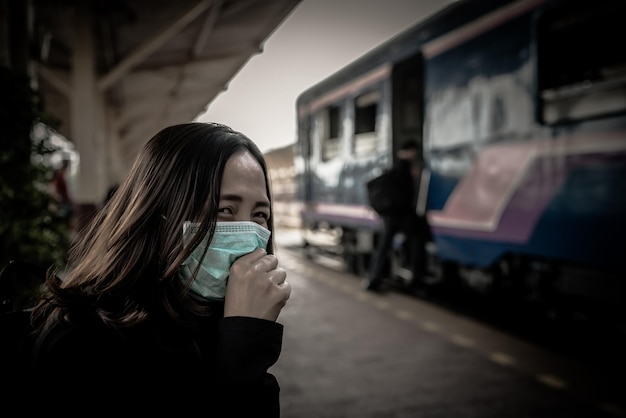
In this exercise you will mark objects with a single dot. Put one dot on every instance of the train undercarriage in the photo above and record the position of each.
(557, 290)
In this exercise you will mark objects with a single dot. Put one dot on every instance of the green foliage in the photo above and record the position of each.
(30, 228)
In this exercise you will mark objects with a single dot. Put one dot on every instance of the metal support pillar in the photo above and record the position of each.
(87, 117)
(115, 168)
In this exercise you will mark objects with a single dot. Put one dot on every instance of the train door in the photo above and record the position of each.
(407, 100)
(408, 114)
(407, 123)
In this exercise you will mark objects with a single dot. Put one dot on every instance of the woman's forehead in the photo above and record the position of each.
(243, 173)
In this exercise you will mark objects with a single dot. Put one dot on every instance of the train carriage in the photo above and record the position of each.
(520, 107)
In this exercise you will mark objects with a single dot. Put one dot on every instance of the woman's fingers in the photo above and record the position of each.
(257, 287)
(286, 288)
(278, 275)
(260, 260)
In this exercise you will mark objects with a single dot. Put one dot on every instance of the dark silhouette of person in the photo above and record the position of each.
(403, 219)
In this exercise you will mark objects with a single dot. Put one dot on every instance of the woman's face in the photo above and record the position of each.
(243, 196)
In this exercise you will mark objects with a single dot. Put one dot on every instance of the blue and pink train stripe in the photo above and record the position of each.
(559, 197)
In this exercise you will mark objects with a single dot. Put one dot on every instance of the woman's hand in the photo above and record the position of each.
(256, 287)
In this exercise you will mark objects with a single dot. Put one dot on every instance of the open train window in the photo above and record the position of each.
(330, 135)
(581, 74)
(365, 112)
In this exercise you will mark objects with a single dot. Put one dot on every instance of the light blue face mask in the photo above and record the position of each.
(230, 241)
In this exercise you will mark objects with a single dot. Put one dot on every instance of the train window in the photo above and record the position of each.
(580, 75)
(330, 136)
(365, 112)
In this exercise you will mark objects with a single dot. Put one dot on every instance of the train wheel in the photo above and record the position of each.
(357, 263)
(308, 250)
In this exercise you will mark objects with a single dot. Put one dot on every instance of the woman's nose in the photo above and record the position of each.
(242, 218)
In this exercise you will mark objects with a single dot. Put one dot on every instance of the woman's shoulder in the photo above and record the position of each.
(74, 341)
(89, 359)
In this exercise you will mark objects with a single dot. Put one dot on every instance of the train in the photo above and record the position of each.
(519, 107)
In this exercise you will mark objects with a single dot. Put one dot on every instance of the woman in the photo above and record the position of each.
(145, 317)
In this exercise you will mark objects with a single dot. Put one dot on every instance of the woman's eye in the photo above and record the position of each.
(261, 215)
(225, 211)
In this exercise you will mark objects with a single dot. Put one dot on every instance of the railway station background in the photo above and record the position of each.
(113, 73)
(91, 123)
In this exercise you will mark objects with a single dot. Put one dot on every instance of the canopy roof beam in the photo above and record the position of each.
(151, 46)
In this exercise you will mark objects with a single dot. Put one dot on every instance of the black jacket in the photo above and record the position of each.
(405, 184)
(219, 369)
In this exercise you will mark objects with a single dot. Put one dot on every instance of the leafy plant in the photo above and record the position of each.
(31, 230)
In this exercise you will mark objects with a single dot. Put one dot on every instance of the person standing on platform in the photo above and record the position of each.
(405, 173)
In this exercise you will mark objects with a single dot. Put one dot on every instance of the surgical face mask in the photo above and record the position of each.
(230, 241)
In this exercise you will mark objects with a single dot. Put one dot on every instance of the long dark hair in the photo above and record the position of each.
(124, 265)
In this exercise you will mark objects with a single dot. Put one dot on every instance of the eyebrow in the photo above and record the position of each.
(237, 198)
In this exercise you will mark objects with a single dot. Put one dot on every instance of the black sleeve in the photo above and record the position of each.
(248, 348)
(74, 368)
(78, 367)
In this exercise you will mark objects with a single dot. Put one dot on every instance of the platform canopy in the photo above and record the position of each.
(114, 72)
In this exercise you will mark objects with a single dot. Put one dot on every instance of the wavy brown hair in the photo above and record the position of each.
(124, 265)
